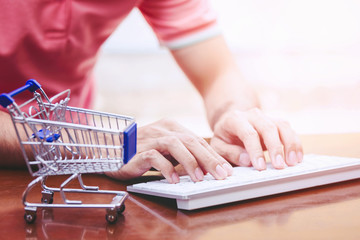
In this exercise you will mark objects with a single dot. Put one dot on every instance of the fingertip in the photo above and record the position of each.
(279, 162)
(228, 168)
(175, 178)
(292, 159)
(259, 164)
(199, 174)
(244, 160)
(220, 172)
(300, 156)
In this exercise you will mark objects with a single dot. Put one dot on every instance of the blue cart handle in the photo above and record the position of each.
(6, 98)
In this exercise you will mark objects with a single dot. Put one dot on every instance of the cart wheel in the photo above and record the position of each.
(111, 217)
(30, 217)
(121, 209)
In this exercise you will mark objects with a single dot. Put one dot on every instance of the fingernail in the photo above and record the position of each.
(244, 160)
(279, 161)
(175, 178)
(220, 171)
(292, 158)
(228, 168)
(300, 156)
(261, 164)
(199, 174)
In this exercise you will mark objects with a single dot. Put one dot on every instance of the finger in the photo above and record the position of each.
(176, 148)
(205, 158)
(142, 162)
(190, 138)
(171, 144)
(291, 142)
(235, 154)
(160, 163)
(228, 168)
(270, 136)
(251, 140)
(191, 151)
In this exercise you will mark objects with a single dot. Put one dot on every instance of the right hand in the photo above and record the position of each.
(241, 137)
(165, 144)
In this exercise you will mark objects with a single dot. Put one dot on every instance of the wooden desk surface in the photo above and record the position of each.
(328, 212)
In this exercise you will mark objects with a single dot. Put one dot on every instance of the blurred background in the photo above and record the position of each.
(302, 56)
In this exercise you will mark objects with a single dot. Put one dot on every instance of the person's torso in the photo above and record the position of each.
(55, 42)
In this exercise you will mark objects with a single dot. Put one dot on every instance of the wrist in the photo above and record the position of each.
(227, 106)
(216, 113)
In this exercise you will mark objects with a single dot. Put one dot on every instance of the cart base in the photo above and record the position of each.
(113, 209)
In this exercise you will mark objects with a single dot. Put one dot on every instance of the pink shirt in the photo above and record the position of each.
(56, 41)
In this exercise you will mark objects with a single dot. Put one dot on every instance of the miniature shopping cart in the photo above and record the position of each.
(56, 139)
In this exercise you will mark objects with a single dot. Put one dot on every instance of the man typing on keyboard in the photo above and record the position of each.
(63, 51)
(241, 130)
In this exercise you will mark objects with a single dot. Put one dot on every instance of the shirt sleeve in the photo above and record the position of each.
(179, 23)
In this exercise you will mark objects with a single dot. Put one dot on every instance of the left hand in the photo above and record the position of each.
(165, 144)
(241, 137)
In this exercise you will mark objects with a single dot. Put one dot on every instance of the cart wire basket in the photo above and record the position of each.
(57, 139)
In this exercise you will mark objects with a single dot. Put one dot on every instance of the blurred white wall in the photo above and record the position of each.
(296, 49)
(308, 42)
(264, 25)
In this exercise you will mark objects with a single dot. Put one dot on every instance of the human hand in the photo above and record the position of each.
(164, 144)
(241, 138)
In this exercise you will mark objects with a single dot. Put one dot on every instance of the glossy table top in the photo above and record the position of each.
(327, 212)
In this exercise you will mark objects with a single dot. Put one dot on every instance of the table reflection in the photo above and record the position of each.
(151, 217)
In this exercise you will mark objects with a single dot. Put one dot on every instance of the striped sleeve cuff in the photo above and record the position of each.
(193, 38)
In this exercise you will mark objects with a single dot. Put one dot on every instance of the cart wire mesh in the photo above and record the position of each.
(57, 139)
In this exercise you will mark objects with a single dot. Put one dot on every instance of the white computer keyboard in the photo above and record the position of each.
(247, 183)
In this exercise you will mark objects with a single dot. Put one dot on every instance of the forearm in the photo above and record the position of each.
(241, 132)
(212, 69)
(228, 90)
(10, 153)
